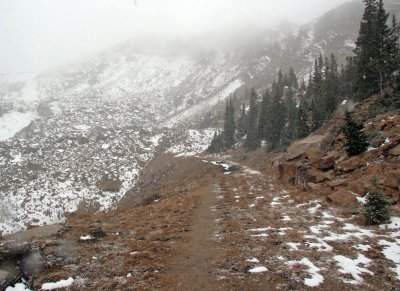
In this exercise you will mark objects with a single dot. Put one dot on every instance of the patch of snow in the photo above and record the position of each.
(394, 224)
(320, 245)
(259, 269)
(313, 210)
(87, 237)
(260, 235)
(349, 266)
(59, 284)
(252, 172)
(105, 146)
(252, 260)
(29, 91)
(391, 250)
(82, 127)
(18, 287)
(362, 200)
(286, 218)
(316, 278)
(316, 229)
(362, 247)
(387, 141)
(294, 246)
(350, 43)
(13, 122)
(261, 229)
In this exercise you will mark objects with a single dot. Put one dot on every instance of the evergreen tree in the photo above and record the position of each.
(376, 209)
(331, 84)
(252, 141)
(217, 144)
(242, 123)
(301, 127)
(293, 82)
(290, 110)
(392, 54)
(229, 125)
(356, 140)
(264, 118)
(277, 122)
(369, 53)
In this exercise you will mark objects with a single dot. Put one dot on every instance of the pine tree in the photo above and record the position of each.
(242, 123)
(289, 129)
(331, 84)
(356, 140)
(229, 125)
(293, 82)
(264, 118)
(301, 127)
(277, 122)
(392, 54)
(217, 144)
(252, 141)
(369, 52)
(376, 209)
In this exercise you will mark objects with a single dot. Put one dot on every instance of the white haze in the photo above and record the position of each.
(38, 34)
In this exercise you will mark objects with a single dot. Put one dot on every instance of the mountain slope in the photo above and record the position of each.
(98, 123)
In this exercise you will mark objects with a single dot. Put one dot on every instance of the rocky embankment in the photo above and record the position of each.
(320, 164)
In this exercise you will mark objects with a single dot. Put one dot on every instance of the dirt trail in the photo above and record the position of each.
(192, 268)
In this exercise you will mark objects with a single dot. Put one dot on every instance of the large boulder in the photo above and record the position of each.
(317, 176)
(357, 187)
(392, 179)
(351, 164)
(287, 172)
(337, 183)
(314, 142)
(326, 163)
(342, 197)
(109, 184)
(314, 155)
(395, 151)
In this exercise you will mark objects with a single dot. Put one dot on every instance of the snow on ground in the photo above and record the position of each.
(349, 266)
(195, 142)
(13, 122)
(394, 224)
(259, 269)
(18, 287)
(253, 260)
(333, 247)
(56, 285)
(316, 278)
(86, 237)
(29, 91)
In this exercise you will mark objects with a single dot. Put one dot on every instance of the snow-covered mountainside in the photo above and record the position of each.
(89, 129)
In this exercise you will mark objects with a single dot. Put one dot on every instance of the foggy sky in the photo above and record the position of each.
(38, 34)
